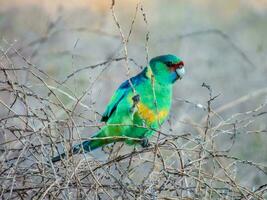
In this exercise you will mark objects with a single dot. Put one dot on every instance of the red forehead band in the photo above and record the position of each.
(178, 65)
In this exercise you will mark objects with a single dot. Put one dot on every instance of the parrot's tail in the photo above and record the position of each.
(85, 146)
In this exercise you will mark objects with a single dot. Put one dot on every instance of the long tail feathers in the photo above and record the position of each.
(86, 146)
(58, 158)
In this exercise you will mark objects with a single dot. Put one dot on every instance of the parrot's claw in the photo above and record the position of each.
(136, 99)
(145, 143)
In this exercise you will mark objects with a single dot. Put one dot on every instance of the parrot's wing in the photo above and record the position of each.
(122, 92)
(115, 100)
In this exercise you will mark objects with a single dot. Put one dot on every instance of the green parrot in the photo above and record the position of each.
(138, 108)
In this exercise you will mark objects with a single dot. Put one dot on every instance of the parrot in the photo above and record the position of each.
(138, 107)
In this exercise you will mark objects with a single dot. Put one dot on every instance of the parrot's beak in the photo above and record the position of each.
(180, 71)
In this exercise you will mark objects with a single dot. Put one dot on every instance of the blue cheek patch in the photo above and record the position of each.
(173, 77)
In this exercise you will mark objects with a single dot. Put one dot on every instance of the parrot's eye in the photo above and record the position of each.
(174, 66)
(169, 64)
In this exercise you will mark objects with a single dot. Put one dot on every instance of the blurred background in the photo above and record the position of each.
(222, 43)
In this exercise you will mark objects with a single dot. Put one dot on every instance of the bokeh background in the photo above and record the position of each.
(222, 43)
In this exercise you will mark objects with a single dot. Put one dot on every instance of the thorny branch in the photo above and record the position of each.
(185, 164)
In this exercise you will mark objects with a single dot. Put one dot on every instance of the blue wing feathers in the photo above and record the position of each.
(121, 92)
(115, 100)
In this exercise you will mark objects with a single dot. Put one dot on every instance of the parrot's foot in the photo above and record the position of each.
(144, 143)
(136, 99)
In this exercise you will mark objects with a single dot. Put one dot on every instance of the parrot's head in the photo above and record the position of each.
(167, 68)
